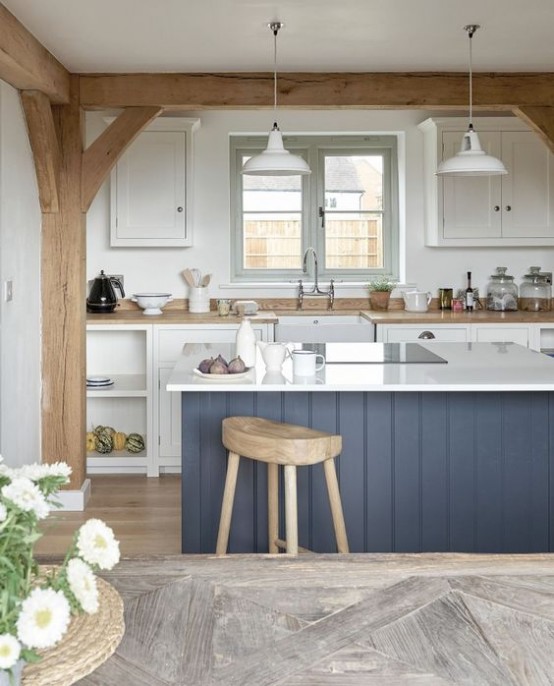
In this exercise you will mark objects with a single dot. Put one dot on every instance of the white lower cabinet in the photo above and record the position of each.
(139, 358)
(523, 334)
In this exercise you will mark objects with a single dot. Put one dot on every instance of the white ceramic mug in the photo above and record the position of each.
(417, 301)
(304, 362)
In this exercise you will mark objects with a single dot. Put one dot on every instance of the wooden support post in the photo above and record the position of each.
(63, 304)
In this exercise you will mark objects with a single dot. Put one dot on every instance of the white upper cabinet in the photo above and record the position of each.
(515, 209)
(151, 187)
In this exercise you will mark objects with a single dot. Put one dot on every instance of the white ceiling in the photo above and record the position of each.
(319, 35)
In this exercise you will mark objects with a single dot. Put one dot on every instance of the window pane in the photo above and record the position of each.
(353, 218)
(272, 221)
(354, 240)
(272, 240)
(353, 182)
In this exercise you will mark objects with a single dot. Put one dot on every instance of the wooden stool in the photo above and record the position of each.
(280, 444)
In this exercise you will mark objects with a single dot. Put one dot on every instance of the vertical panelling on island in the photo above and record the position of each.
(465, 472)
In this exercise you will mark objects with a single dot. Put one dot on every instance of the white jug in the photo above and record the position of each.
(416, 301)
(274, 354)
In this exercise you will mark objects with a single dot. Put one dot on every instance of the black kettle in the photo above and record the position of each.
(102, 297)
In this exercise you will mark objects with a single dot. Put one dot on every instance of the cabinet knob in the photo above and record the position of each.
(508, 208)
(426, 334)
(179, 209)
(497, 208)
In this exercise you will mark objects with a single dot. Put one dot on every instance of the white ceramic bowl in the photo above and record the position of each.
(152, 303)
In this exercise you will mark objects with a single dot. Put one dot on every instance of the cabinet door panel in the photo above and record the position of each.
(469, 201)
(528, 187)
(150, 189)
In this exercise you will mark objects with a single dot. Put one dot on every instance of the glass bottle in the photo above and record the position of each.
(501, 291)
(535, 292)
(246, 343)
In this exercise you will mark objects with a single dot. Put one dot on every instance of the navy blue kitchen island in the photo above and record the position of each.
(454, 457)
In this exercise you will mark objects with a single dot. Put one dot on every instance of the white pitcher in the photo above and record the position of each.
(274, 354)
(416, 301)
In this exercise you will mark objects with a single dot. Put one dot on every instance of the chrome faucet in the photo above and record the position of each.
(315, 290)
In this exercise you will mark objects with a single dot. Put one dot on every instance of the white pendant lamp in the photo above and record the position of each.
(471, 160)
(275, 160)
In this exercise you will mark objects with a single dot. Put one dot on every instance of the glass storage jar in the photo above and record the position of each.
(501, 291)
(535, 292)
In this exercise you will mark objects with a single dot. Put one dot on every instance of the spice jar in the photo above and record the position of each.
(501, 291)
(535, 292)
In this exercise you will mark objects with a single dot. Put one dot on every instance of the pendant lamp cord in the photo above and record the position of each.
(275, 26)
(471, 29)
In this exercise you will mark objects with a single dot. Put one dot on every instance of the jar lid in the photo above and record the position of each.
(501, 275)
(535, 275)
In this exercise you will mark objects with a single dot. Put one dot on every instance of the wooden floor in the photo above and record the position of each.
(144, 513)
(334, 620)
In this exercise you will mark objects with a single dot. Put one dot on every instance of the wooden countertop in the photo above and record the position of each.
(180, 316)
(449, 317)
(175, 317)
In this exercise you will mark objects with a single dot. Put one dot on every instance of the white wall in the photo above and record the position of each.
(159, 269)
(20, 223)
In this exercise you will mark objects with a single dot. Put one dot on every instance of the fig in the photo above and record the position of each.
(236, 366)
(221, 359)
(205, 365)
(218, 368)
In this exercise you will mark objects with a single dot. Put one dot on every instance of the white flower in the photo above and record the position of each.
(82, 583)
(27, 496)
(35, 472)
(96, 544)
(10, 648)
(43, 619)
(3, 512)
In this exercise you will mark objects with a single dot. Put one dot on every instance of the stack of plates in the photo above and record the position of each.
(98, 381)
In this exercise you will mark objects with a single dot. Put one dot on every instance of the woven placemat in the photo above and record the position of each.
(90, 640)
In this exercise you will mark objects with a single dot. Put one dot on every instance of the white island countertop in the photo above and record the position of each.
(468, 367)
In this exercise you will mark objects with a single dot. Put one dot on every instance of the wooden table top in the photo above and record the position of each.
(388, 620)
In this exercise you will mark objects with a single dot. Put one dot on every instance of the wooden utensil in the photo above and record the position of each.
(188, 277)
(206, 280)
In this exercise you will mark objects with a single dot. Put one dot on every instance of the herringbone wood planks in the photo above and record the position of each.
(386, 620)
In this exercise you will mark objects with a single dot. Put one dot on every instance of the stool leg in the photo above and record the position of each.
(273, 505)
(336, 505)
(291, 513)
(227, 504)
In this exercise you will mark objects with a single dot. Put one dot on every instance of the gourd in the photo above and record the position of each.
(119, 440)
(103, 442)
(134, 443)
(104, 429)
(91, 441)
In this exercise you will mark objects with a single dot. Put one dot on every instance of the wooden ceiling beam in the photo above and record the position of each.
(426, 90)
(45, 146)
(100, 157)
(26, 64)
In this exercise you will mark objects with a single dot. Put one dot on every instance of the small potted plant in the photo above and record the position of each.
(379, 292)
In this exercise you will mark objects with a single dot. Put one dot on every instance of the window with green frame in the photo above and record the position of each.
(346, 209)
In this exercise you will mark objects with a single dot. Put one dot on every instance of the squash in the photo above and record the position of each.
(104, 429)
(119, 440)
(91, 441)
(135, 443)
(103, 443)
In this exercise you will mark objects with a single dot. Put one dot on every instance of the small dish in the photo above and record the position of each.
(221, 377)
(98, 379)
(99, 385)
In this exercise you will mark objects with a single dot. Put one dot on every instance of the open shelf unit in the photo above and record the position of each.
(124, 354)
